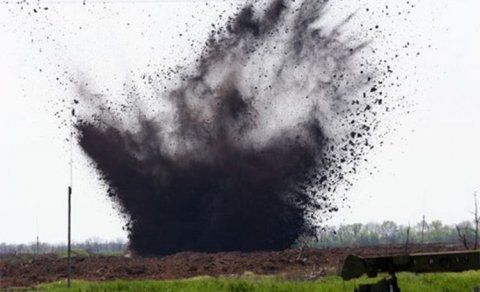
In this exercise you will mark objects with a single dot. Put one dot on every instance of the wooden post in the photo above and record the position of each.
(69, 244)
(477, 222)
(69, 247)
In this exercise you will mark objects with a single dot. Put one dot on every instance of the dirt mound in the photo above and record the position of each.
(292, 263)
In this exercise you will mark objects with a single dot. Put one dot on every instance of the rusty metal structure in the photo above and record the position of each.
(355, 267)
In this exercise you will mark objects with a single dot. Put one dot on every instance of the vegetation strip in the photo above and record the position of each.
(465, 281)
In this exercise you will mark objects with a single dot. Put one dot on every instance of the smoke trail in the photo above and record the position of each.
(252, 144)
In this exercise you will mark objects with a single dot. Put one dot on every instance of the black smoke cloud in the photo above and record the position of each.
(247, 152)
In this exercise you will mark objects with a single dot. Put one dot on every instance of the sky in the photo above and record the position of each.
(429, 163)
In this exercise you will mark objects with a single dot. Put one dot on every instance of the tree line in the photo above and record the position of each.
(389, 232)
(357, 234)
(90, 246)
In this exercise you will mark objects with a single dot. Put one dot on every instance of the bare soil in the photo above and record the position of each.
(292, 263)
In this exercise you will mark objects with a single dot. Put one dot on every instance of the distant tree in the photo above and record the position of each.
(389, 231)
(356, 228)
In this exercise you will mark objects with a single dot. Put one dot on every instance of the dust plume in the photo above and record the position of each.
(246, 153)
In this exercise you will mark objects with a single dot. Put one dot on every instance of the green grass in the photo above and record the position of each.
(408, 282)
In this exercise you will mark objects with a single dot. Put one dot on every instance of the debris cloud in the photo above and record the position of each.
(246, 153)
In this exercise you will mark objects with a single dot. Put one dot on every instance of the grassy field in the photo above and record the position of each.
(408, 282)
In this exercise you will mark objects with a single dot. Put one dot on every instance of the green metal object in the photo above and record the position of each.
(355, 267)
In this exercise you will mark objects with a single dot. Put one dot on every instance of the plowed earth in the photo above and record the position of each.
(22, 271)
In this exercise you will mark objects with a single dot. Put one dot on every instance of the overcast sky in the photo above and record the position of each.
(429, 164)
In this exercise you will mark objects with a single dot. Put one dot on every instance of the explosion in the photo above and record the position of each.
(246, 153)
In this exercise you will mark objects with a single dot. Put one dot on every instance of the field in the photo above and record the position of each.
(465, 281)
(288, 270)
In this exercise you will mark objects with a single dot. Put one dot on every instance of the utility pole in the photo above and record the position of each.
(38, 246)
(69, 240)
(69, 247)
(423, 226)
(476, 221)
(407, 241)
